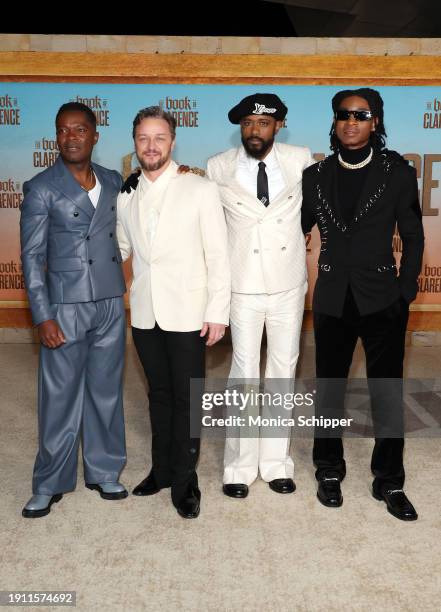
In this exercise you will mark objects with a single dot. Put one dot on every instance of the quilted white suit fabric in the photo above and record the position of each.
(269, 281)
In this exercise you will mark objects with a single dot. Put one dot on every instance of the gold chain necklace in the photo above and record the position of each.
(90, 180)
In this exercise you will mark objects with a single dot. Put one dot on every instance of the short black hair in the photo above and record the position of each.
(77, 107)
(378, 138)
(155, 112)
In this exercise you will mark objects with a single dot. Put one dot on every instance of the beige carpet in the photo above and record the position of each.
(268, 552)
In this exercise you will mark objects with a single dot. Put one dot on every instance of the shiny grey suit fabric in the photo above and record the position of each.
(69, 249)
(72, 269)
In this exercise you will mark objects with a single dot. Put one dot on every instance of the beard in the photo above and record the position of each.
(258, 149)
(152, 166)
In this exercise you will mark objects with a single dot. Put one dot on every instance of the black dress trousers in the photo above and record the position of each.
(170, 360)
(383, 336)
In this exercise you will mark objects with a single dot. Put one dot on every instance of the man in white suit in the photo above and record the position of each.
(174, 226)
(260, 186)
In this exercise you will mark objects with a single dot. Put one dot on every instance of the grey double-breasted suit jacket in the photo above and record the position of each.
(69, 249)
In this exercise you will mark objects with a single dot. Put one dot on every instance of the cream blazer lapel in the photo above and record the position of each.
(138, 232)
(166, 220)
(140, 213)
(292, 175)
(291, 168)
(235, 194)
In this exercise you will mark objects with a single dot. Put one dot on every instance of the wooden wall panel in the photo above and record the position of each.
(232, 69)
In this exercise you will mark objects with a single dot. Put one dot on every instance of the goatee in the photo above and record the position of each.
(152, 166)
(258, 150)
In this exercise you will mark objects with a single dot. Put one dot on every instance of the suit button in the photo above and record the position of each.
(113, 208)
(87, 237)
(283, 248)
(111, 235)
(76, 214)
(113, 258)
(90, 261)
(256, 250)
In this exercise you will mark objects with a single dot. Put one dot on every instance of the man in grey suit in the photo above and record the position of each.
(72, 270)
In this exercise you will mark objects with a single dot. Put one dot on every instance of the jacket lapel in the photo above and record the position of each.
(286, 168)
(137, 214)
(231, 184)
(374, 186)
(64, 181)
(103, 208)
(327, 190)
(166, 218)
(333, 189)
(236, 192)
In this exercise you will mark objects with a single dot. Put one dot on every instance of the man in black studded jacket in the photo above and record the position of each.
(357, 197)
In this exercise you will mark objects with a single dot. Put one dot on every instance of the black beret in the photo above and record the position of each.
(258, 104)
(371, 96)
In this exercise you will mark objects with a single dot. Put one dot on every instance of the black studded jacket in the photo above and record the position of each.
(359, 253)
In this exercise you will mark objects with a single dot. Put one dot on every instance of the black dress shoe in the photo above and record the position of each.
(105, 495)
(189, 506)
(147, 487)
(42, 511)
(282, 485)
(397, 504)
(329, 492)
(238, 491)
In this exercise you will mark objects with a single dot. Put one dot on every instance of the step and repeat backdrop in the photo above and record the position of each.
(28, 146)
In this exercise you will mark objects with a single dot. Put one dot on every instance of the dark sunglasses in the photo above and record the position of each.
(359, 115)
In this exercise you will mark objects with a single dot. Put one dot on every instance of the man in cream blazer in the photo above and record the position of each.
(174, 226)
(260, 186)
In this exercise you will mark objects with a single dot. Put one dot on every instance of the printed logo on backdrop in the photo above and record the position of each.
(9, 110)
(430, 279)
(432, 116)
(426, 166)
(11, 195)
(184, 110)
(45, 153)
(11, 276)
(100, 107)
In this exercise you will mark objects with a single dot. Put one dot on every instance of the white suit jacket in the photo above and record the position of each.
(267, 246)
(185, 278)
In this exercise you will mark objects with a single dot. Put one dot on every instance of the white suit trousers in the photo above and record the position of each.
(282, 315)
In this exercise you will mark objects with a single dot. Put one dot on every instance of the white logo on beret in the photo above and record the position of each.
(261, 108)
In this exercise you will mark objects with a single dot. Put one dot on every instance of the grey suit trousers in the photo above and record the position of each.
(80, 395)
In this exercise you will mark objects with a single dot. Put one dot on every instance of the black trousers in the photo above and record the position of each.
(170, 360)
(383, 336)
